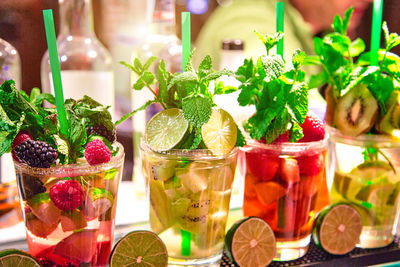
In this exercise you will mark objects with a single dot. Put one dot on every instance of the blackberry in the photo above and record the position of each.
(36, 153)
(102, 131)
(31, 186)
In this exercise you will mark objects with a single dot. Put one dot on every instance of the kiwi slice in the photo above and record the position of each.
(356, 111)
(390, 122)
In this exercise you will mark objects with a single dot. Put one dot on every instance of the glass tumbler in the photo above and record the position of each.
(189, 193)
(69, 210)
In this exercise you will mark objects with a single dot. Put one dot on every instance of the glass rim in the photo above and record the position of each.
(187, 153)
(381, 139)
(75, 168)
(289, 147)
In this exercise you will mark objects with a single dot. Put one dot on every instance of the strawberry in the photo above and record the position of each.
(313, 129)
(262, 164)
(311, 165)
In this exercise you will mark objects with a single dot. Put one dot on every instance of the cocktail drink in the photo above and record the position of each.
(67, 180)
(69, 211)
(371, 185)
(189, 194)
(363, 109)
(283, 184)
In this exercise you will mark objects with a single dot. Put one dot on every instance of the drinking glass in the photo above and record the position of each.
(189, 193)
(366, 175)
(285, 184)
(59, 236)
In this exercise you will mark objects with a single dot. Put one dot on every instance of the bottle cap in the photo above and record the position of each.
(232, 44)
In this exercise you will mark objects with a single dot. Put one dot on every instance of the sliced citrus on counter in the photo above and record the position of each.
(17, 258)
(250, 242)
(337, 229)
(139, 248)
(166, 129)
(220, 132)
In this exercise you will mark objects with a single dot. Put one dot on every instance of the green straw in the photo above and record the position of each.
(280, 8)
(376, 32)
(185, 235)
(55, 70)
(185, 39)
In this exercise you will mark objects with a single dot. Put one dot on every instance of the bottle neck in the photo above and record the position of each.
(76, 18)
(163, 20)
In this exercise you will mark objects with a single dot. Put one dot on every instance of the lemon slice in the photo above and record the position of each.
(337, 229)
(166, 129)
(220, 132)
(15, 258)
(250, 242)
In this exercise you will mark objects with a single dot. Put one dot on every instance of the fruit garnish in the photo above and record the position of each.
(190, 93)
(22, 136)
(250, 242)
(23, 113)
(220, 132)
(389, 123)
(38, 227)
(72, 220)
(15, 257)
(269, 192)
(357, 91)
(221, 179)
(79, 247)
(67, 194)
(278, 93)
(356, 111)
(44, 209)
(139, 248)
(101, 130)
(36, 153)
(97, 202)
(313, 129)
(311, 165)
(31, 186)
(289, 171)
(337, 229)
(261, 164)
(166, 129)
(160, 208)
(96, 152)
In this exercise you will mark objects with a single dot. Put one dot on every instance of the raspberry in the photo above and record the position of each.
(66, 194)
(102, 131)
(97, 152)
(21, 137)
(36, 153)
(313, 129)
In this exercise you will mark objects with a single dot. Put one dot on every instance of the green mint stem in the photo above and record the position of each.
(157, 98)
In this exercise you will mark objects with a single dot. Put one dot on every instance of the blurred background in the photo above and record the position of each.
(117, 30)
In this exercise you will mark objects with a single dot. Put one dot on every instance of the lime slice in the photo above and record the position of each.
(17, 258)
(220, 132)
(337, 229)
(377, 195)
(139, 248)
(166, 129)
(250, 242)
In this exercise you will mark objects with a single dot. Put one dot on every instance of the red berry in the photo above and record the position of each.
(313, 129)
(311, 165)
(262, 164)
(21, 137)
(282, 138)
(67, 194)
(97, 152)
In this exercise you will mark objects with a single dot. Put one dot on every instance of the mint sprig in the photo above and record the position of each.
(336, 54)
(279, 94)
(189, 91)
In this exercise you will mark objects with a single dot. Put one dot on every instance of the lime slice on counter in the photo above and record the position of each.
(250, 242)
(166, 129)
(17, 258)
(220, 132)
(139, 248)
(337, 229)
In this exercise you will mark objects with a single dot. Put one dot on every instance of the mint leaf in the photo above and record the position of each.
(128, 115)
(197, 139)
(298, 58)
(163, 77)
(240, 140)
(110, 174)
(205, 66)
(270, 40)
(246, 71)
(216, 74)
(62, 148)
(196, 109)
(272, 66)
(220, 89)
(138, 65)
(148, 63)
(278, 126)
(356, 48)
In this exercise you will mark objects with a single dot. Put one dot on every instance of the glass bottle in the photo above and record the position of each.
(10, 212)
(163, 43)
(86, 65)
